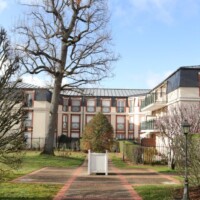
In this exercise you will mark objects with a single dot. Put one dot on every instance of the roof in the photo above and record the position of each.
(22, 85)
(105, 92)
(192, 67)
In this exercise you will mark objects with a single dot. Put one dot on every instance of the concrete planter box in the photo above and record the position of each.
(97, 163)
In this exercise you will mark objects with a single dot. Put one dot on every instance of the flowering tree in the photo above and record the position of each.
(171, 130)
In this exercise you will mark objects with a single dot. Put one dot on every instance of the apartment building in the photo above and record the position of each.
(121, 107)
(78, 107)
(182, 86)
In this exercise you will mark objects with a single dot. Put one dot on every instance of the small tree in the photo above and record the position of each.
(11, 112)
(98, 134)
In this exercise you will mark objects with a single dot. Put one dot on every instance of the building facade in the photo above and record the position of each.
(131, 112)
(77, 108)
(181, 87)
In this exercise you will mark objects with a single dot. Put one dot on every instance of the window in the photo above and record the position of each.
(130, 136)
(76, 105)
(120, 123)
(75, 135)
(64, 124)
(65, 105)
(90, 105)
(88, 118)
(120, 106)
(105, 106)
(28, 119)
(120, 136)
(131, 106)
(75, 124)
(131, 124)
(28, 99)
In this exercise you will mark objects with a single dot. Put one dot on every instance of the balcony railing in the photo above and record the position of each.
(148, 125)
(157, 100)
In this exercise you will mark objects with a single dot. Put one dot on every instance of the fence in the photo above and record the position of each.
(37, 143)
(145, 155)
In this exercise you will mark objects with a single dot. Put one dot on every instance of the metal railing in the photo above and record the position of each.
(148, 125)
(154, 98)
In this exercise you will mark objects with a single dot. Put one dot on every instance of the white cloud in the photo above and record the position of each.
(3, 5)
(161, 10)
(153, 79)
(42, 82)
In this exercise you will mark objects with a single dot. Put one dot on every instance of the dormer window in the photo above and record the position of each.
(105, 106)
(91, 105)
(65, 105)
(120, 105)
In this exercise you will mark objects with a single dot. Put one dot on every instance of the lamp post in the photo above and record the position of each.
(123, 150)
(186, 128)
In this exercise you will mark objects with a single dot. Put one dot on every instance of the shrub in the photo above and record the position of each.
(97, 135)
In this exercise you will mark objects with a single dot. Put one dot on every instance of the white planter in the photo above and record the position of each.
(97, 162)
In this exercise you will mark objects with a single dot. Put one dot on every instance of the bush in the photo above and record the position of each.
(97, 135)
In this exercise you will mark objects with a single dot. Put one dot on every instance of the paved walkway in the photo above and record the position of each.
(79, 185)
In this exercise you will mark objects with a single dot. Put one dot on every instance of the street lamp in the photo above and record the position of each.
(186, 128)
(123, 151)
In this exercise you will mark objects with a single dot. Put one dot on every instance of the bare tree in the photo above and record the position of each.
(11, 111)
(68, 40)
(171, 130)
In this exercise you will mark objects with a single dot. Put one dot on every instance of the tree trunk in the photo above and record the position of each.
(49, 142)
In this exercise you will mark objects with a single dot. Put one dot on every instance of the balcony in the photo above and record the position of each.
(154, 101)
(148, 125)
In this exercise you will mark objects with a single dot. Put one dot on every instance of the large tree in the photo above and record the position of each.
(11, 108)
(69, 41)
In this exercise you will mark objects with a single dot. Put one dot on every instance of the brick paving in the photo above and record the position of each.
(77, 184)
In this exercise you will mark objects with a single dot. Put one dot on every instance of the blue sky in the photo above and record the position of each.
(153, 38)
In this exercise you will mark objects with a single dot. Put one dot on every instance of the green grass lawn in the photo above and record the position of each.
(33, 161)
(150, 192)
(156, 192)
(118, 162)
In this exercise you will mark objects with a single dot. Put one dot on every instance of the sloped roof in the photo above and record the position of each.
(105, 92)
(22, 85)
